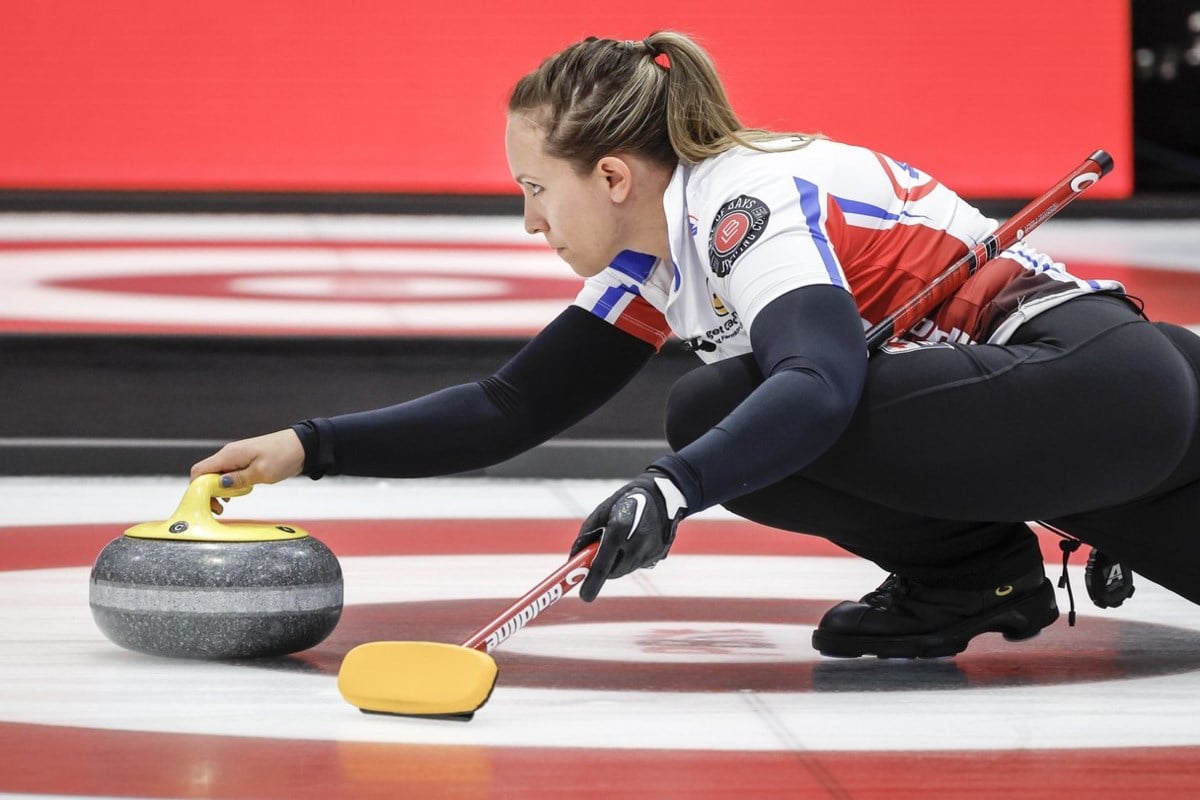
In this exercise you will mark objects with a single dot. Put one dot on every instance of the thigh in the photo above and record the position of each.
(900, 541)
(1091, 407)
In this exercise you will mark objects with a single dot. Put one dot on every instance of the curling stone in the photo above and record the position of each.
(193, 587)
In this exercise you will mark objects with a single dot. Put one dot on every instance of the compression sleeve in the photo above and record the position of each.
(571, 368)
(810, 347)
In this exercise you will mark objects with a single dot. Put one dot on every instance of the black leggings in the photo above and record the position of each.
(1087, 419)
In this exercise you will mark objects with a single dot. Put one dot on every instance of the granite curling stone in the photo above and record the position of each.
(193, 587)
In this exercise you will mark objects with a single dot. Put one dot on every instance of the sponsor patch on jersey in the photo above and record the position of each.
(737, 225)
(719, 305)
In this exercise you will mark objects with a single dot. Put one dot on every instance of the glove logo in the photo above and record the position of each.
(639, 502)
(635, 527)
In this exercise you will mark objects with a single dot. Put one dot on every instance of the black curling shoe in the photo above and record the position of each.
(905, 618)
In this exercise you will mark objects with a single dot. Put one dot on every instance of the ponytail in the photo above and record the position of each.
(603, 96)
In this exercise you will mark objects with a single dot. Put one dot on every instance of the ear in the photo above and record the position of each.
(617, 176)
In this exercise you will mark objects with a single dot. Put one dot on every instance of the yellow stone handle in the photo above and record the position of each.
(193, 520)
(197, 500)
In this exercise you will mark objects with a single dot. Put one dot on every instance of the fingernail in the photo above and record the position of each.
(227, 481)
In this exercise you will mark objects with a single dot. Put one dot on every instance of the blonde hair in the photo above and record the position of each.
(604, 96)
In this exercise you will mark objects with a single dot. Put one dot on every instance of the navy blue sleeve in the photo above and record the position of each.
(809, 345)
(570, 369)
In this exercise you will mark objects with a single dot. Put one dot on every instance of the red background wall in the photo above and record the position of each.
(997, 100)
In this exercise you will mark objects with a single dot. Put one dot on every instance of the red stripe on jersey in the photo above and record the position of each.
(644, 321)
(907, 195)
(835, 230)
(887, 267)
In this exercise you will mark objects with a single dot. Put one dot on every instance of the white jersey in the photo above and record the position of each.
(746, 227)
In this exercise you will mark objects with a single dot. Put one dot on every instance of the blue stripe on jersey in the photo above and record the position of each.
(636, 265)
(911, 172)
(810, 206)
(868, 210)
(864, 209)
(608, 301)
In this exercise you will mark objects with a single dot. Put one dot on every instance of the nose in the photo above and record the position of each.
(534, 221)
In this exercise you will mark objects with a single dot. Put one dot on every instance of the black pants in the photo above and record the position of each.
(1089, 419)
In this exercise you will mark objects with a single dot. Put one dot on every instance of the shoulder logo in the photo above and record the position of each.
(737, 225)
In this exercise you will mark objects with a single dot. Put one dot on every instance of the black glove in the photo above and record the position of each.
(635, 526)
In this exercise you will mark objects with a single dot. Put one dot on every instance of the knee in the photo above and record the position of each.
(684, 418)
(703, 397)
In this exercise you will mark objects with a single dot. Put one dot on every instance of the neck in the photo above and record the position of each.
(646, 222)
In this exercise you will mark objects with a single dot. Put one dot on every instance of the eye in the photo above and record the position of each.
(534, 189)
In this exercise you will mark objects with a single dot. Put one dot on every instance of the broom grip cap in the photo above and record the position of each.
(1103, 160)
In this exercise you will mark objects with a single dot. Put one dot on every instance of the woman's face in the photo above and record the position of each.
(577, 214)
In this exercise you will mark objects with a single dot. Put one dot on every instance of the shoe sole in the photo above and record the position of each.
(1018, 620)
